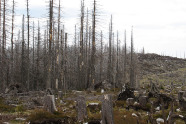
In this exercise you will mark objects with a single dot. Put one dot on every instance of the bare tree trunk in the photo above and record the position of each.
(132, 74)
(117, 63)
(23, 54)
(28, 52)
(125, 61)
(38, 58)
(109, 70)
(107, 110)
(48, 85)
(33, 59)
(93, 75)
(12, 45)
(101, 57)
(65, 64)
(4, 47)
(81, 109)
(57, 49)
(81, 55)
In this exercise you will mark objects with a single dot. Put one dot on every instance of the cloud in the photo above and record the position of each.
(159, 25)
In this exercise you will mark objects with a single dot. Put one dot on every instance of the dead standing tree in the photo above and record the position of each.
(109, 69)
(81, 54)
(12, 43)
(28, 51)
(93, 71)
(4, 61)
(132, 64)
(48, 85)
(125, 61)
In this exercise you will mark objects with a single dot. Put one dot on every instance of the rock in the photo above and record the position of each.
(158, 108)
(178, 110)
(134, 115)
(102, 91)
(159, 120)
(49, 103)
(107, 110)
(20, 119)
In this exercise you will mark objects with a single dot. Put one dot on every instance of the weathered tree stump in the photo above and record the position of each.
(60, 94)
(143, 100)
(180, 95)
(81, 109)
(182, 105)
(107, 110)
(182, 100)
(49, 103)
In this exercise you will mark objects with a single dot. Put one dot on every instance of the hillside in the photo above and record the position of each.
(155, 64)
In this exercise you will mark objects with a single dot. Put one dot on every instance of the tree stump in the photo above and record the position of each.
(60, 94)
(81, 109)
(107, 110)
(143, 100)
(180, 95)
(49, 103)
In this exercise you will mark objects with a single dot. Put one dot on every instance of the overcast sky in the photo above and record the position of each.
(159, 25)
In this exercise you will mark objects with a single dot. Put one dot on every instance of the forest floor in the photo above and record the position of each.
(19, 110)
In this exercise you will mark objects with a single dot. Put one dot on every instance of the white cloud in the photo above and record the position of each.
(159, 25)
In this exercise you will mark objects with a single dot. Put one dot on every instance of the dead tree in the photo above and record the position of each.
(23, 70)
(4, 47)
(65, 65)
(125, 61)
(86, 49)
(101, 57)
(38, 58)
(33, 58)
(0, 35)
(57, 46)
(81, 54)
(28, 51)
(132, 64)
(109, 69)
(81, 109)
(48, 85)
(117, 63)
(12, 44)
(93, 75)
(49, 103)
(107, 110)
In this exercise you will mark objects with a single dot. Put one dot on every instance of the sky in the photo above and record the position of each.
(159, 25)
